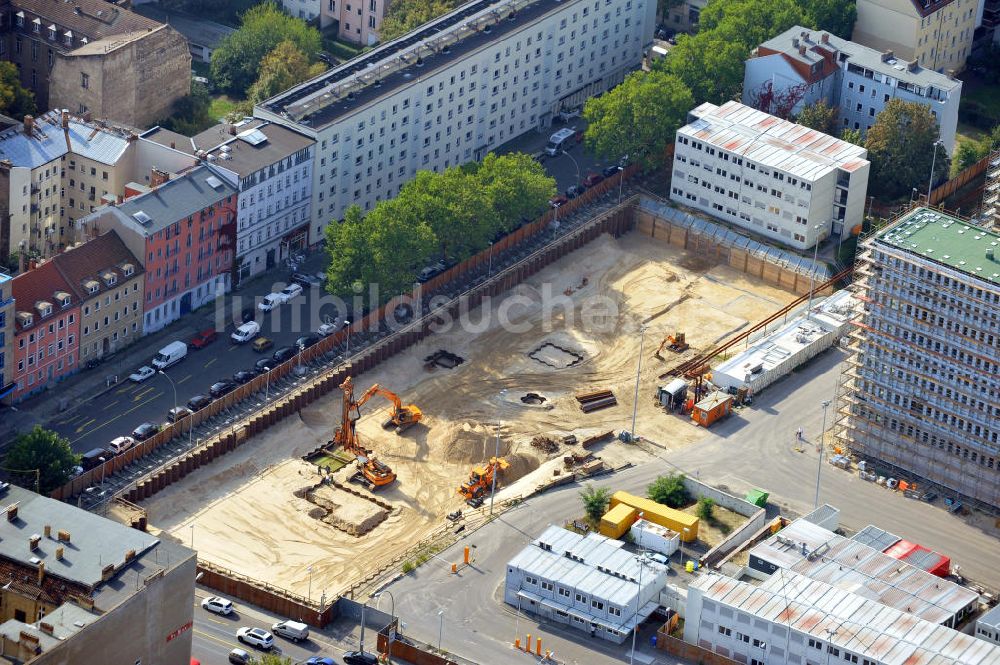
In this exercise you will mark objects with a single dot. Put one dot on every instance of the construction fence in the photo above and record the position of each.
(690, 652)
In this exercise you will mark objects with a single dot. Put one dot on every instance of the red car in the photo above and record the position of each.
(203, 339)
(557, 201)
(592, 179)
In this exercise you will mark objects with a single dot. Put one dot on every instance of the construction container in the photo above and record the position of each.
(617, 520)
(716, 406)
(649, 536)
(657, 513)
(672, 395)
(757, 497)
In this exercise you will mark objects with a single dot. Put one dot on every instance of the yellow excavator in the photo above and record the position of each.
(481, 480)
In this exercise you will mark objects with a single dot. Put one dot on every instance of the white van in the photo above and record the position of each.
(170, 355)
(291, 630)
(246, 332)
(270, 301)
(558, 141)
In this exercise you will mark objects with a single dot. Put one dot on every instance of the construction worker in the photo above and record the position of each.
(798, 434)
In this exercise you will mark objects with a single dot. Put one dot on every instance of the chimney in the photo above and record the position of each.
(824, 38)
(12, 512)
(912, 66)
(29, 124)
(887, 56)
(33, 542)
(232, 130)
(157, 178)
(118, 199)
(173, 145)
(87, 117)
(65, 119)
(795, 42)
(63, 536)
(41, 573)
(59, 553)
(129, 555)
(802, 49)
(46, 628)
(951, 74)
(48, 531)
(805, 36)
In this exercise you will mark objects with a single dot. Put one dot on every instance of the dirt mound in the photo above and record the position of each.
(520, 466)
(469, 442)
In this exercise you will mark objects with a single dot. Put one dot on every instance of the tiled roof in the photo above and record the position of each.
(92, 259)
(94, 19)
(42, 283)
(23, 580)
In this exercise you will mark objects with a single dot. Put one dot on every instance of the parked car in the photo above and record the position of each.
(203, 339)
(264, 365)
(121, 444)
(284, 353)
(94, 458)
(217, 605)
(221, 388)
(592, 179)
(609, 171)
(431, 271)
(262, 344)
(270, 301)
(329, 328)
(291, 630)
(255, 637)
(141, 374)
(319, 660)
(199, 402)
(308, 340)
(240, 657)
(360, 658)
(291, 291)
(557, 201)
(245, 332)
(306, 281)
(244, 376)
(574, 191)
(178, 413)
(658, 557)
(145, 431)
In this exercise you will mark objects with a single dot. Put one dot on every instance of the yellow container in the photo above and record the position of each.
(657, 513)
(617, 521)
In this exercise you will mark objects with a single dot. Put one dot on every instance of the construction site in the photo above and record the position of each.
(347, 483)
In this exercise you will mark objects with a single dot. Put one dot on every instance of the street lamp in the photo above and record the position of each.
(310, 594)
(812, 273)
(493, 490)
(392, 618)
(302, 347)
(192, 536)
(621, 176)
(489, 272)
(686, 532)
(819, 463)
(638, 595)
(440, 627)
(347, 324)
(267, 383)
(638, 369)
(930, 180)
(172, 385)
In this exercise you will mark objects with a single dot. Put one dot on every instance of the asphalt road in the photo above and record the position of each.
(751, 449)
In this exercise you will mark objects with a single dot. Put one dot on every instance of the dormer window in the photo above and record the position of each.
(52, 32)
(36, 25)
(19, 19)
(26, 319)
(68, 38)
(92, 286)
(128, 269)
(63, 299)
(44, 308)
(110, 278)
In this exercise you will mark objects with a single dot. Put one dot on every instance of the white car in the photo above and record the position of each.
(329, 328)
(270, 301)
(245, 332)
(142, 374)
(255, 637)
(121, 444)
(217, 605)
(291, 291)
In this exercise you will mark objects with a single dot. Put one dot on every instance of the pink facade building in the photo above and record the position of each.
(356, 21)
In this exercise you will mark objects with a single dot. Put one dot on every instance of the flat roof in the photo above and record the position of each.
(258, 147)
(848, 620)
(771, 141)
(172, 201)
(990, 618)
(876, 538)
(938, 237)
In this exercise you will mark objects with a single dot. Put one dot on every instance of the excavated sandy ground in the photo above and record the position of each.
(242, 507)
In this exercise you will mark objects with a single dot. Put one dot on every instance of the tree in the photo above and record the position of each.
(237, 60)
(45, 451)
(901, 147)
(273, 659)
(835, 16)
(669, 490)
(346, 245)
(517, 187)
(706, 508)
(406, 15)
(190, 114)
(852, 136)
(749, 22)
(595, 502)
(639, 117)
(819, 116)
(708, 64)
(15, 100)
(968, 152)
(280, 69)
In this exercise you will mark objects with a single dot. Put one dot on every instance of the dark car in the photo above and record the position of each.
(574, 191)
(244, 376)
(199, 402)
(308, 340)
(306, 280)
(221, 388)
(557, 201)
(240, 657)
(360, 658)
(264, 364)
(592, 179)
(609, 171)
(284, 353)
(95, 457)
(248, 314)
(203, 339)
(144, 431)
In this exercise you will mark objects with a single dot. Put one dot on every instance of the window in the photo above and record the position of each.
(84, 80)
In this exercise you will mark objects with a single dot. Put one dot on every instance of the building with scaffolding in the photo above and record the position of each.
(990, 211)
(454, 89)
(920, 394)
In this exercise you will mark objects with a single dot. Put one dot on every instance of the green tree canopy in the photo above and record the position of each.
(190, 114)
(901, 148)
(517, 187)
(749, 22)
(852, 136)
(595, 502)
(15, 100)
(406, 15)
(639, 117)
(969, 152)
(835, 16)
(237, 61)
(45, 451)
(706, 508)
(669, 490)
(708, 64)
(820, 116)
(280, 69)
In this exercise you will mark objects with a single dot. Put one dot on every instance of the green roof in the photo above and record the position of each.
(947, 240)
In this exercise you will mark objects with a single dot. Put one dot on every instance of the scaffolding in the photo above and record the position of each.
(991, 192)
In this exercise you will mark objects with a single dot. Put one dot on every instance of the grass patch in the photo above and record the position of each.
(326, 460)
(221, 106)
(339, 49)
(986, 95)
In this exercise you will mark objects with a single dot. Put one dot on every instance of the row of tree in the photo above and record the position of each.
(406, 15)
(445, 216)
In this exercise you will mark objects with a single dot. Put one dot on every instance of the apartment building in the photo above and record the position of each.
(46, 330)
(272, 167)
(453, 90)
(183, 233)
(937, 34)
(84, 55)
(355, 21)
(800, 67)
(791, 619)
(920, 394)
(86, 590)
(684, 16)
(306, 10)
(588, 582)
(7, 384)
(782, 181)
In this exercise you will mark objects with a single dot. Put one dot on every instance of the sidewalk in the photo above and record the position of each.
(87, 384)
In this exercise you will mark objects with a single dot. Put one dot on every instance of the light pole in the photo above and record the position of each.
(812, 273)
(489, 272)
(172, 385)
(638, 596)
(819, 464)
(493, 490)
(267, 383)
(686, 532)
(440, 627)
(192, 536)
(310, 594)
(302, 347)
(638, 369)
(575, 165)
(347, 324)
(621, 176)
(930, 180)
(517, 617)
(392, 618)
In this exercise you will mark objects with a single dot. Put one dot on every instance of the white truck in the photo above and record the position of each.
(170, 355)
(560, 141)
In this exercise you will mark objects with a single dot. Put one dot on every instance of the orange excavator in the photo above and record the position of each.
(481, 480)
(375, 473)
(676, 343)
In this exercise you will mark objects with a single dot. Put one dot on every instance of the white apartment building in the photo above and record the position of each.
(272, 167)
(783, 181)
(790, 619)
(453, 90)
(588, 582)
(800, 67)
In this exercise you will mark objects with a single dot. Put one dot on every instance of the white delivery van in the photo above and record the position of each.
(560, 141)
(291, 630)
(170, 355)
(246, 332)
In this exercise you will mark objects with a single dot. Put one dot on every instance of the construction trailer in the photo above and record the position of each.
(650, 536)
(672, 395)
(617, 521)
(683, 523)
(715, 407)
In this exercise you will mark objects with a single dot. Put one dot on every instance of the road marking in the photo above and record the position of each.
(124, 390)
(184, 379)
(123, 413)
(84, 425)
(109, 405)
(138, 396)
(210, 362)
(232, 348)
(213, 638)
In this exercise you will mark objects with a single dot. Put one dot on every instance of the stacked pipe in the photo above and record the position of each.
(599, 399)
